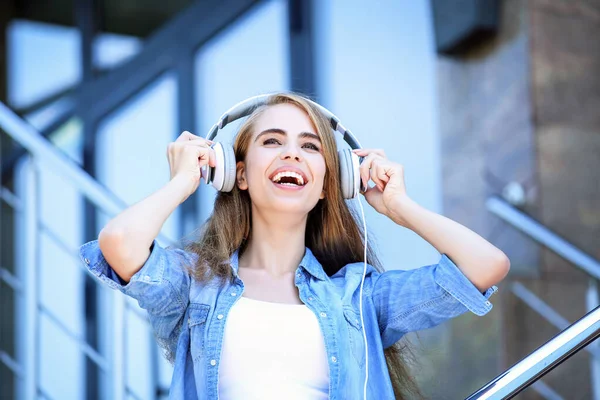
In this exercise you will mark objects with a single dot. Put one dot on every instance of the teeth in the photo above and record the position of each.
(290, 174)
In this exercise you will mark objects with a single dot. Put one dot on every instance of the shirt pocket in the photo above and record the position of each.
(355, 334)
(198, 313)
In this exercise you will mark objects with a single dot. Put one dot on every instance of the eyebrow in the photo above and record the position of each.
(303, 135)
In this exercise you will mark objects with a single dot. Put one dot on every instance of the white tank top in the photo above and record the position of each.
(272, 351)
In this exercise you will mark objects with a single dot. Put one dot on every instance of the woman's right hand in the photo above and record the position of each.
(187, 155)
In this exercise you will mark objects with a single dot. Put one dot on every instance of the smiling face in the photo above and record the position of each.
(284, 168)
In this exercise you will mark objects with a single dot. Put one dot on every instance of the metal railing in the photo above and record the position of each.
(544, 236)
(543, 360)
(570, 340)
(26, 285)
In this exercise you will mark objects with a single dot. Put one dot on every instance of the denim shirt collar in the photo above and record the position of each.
(308, 262)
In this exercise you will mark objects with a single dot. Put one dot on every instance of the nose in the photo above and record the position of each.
(291, 152)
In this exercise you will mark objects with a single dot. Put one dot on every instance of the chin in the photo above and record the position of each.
(293, 202)
(289, 207)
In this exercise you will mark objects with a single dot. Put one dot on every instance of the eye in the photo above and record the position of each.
(271, 141)
(312, 146)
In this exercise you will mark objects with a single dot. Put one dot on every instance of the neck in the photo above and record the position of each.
(277, 243)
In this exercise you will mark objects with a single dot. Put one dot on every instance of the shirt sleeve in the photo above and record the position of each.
(161, 286)
(412, 300)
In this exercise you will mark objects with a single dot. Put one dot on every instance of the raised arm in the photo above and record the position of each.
(127, 257)
(481, 262)
(125, 240)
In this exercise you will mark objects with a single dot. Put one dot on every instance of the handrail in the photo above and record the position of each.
(543, 360)
(547, 312)
(24, 134)
(539, 306)
(544, 236)
(571, 339)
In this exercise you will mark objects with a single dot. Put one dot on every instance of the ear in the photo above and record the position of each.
(240, 175)
(322, 196)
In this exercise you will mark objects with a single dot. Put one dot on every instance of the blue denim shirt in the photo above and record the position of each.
(188, 318)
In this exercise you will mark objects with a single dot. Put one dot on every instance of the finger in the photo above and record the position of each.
(187, 136)
(201, 142)
(212, 158)
(365, 167)
(175, 148)
(365, 152)
(379, 173)
(364, 172)
(206, 156)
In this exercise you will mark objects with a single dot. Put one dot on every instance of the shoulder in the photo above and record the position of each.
(357, 268)
(351, 275)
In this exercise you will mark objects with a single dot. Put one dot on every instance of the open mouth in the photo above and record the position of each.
(289, 178)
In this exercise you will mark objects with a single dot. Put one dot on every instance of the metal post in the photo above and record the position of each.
(186, 101)
(593, 301)
(85, 15)
(27, 261)
(118, 381)
(302, 58)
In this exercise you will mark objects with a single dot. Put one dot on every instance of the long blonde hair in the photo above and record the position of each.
(332, 232)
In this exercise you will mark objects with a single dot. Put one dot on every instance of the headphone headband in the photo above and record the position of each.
(247, 107)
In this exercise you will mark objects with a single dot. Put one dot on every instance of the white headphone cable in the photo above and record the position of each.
(362, 322)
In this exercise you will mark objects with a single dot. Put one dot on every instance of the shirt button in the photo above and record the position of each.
(310, 298)
(147, 278)
(233, 293)
(87, 261)
(323, 314)
(333, 359)
(487, 303)
(213, 362)
(220, 316)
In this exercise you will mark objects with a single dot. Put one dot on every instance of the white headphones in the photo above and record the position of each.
(222, 177)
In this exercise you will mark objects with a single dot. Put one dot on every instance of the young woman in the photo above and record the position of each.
(265, 303)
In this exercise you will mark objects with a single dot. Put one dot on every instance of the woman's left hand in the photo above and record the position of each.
(389, 190)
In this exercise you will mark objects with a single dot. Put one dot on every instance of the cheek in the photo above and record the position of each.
(257, 162)
(319, 170)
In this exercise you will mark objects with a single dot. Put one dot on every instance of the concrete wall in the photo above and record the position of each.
(523, 108)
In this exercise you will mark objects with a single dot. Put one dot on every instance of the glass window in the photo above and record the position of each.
(43, 59)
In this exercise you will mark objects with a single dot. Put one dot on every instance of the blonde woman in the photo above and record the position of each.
(265, 302)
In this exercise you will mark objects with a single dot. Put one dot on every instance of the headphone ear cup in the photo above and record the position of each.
(223, 174)
(349, 173)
